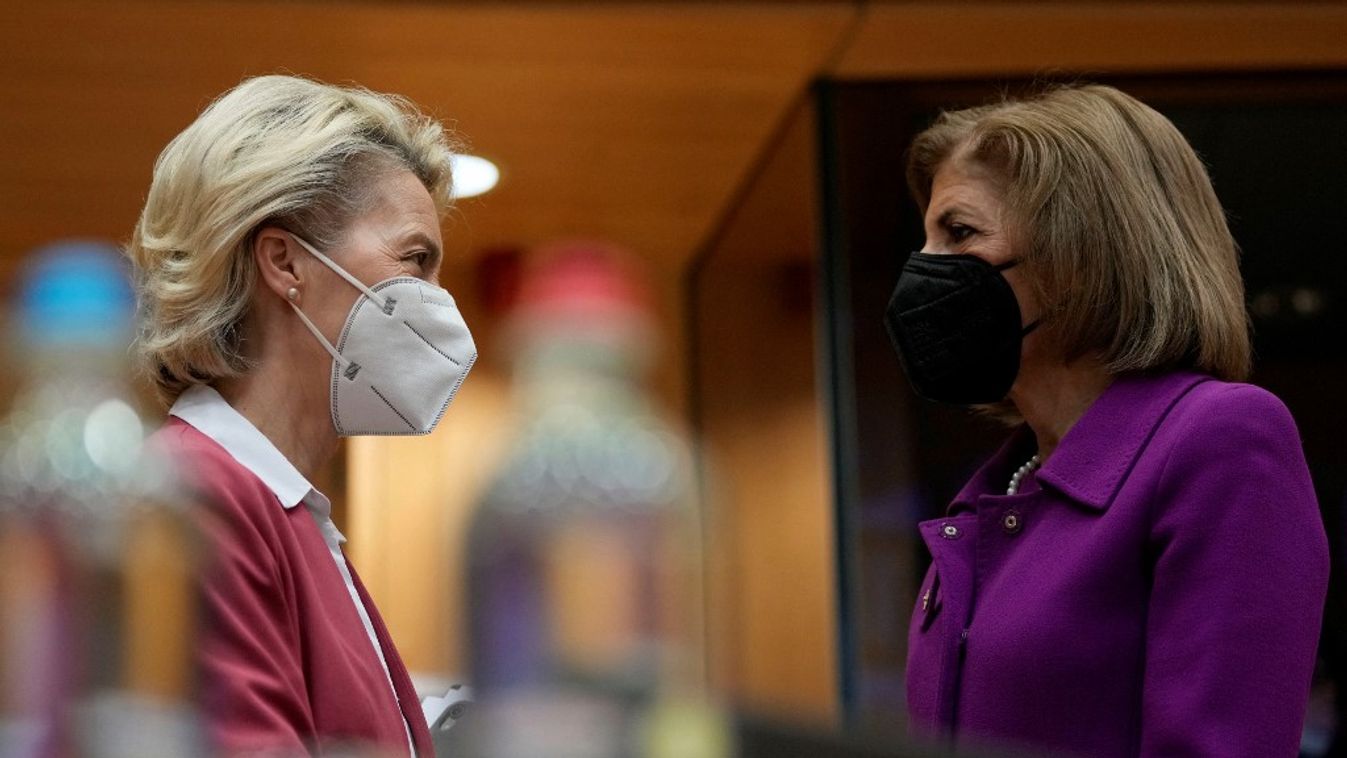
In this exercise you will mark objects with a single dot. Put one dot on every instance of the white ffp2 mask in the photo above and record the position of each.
(401, 357)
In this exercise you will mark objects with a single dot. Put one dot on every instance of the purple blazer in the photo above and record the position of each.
(1156, 589)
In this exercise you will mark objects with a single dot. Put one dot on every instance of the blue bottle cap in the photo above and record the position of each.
(76, 293)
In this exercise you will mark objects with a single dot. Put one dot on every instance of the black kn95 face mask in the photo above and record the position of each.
(955, 323)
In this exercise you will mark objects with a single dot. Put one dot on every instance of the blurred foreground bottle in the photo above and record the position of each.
(584, 575)
(97, 555)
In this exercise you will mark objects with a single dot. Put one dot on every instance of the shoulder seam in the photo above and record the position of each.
(1150, 499)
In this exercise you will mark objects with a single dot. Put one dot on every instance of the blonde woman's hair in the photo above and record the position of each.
(275, 150)
(1123, 239)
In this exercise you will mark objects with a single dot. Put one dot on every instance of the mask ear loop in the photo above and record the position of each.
(348, 368)
(343, 273)
(332, 351)
(1028, 329)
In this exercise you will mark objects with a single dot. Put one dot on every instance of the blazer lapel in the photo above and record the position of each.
(402, 681)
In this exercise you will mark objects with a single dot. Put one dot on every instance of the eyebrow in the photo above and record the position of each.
(947, 215)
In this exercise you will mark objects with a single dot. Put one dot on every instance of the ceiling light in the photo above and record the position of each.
(473, 175)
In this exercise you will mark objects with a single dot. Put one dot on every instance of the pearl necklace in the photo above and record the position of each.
(1029, 467)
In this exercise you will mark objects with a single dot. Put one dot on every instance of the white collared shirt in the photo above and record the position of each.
(210, 414)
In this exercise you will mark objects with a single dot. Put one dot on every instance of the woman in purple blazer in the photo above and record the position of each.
(1141, 569)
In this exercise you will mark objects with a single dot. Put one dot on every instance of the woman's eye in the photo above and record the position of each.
(960, 232)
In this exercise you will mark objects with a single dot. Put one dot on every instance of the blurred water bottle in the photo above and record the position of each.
(584, 556)
(97, 554)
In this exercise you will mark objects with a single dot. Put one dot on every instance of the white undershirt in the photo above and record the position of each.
(210, 414)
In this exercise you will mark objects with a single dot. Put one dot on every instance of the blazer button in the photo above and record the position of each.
(1012, 522)
(950, 532)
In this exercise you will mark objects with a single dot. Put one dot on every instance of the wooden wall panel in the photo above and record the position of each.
(772, 611)
(952, 39)
(625, 122)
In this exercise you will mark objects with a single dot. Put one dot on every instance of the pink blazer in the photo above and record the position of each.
(286, 665)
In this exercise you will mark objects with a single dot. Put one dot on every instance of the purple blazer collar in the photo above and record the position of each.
(1096, 455)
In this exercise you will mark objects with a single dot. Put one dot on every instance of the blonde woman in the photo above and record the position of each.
(286, 263)
(1141, 569)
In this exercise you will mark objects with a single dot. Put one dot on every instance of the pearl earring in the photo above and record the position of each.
(292, 294)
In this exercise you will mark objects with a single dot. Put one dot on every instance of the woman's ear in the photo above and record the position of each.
(275, 252)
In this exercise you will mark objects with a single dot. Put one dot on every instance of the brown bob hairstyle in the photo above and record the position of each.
(1122, 237)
